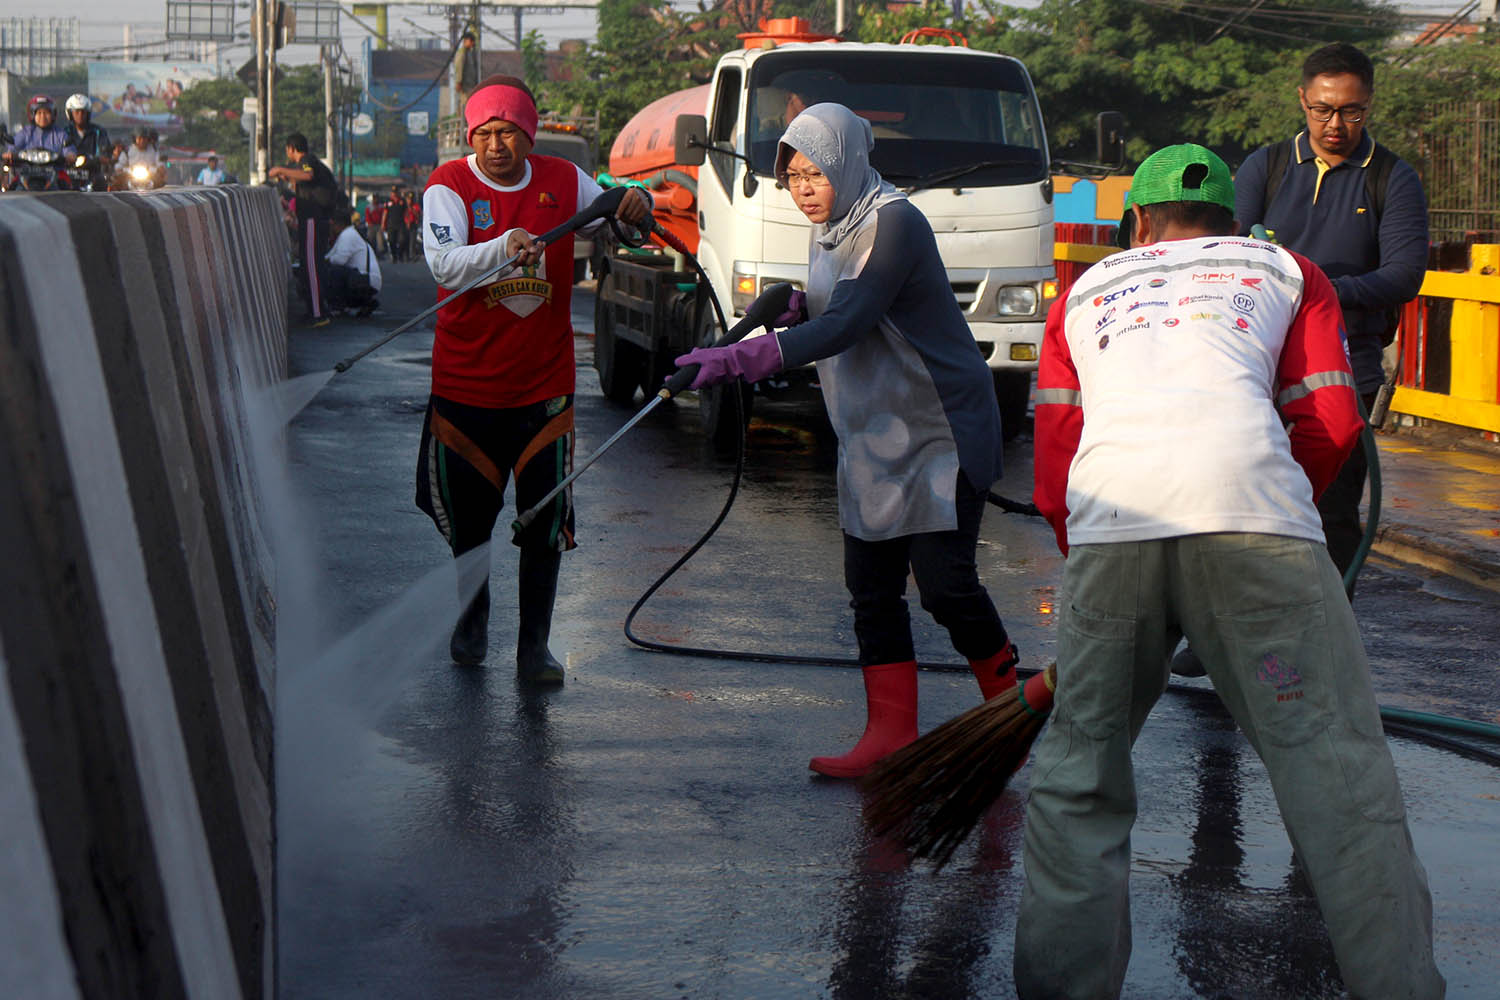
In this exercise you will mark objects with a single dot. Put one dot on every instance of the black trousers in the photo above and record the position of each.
(340, 292)
(943, 563)
(1339, 504)
(398, 241)
(312, 243)
(469, 453)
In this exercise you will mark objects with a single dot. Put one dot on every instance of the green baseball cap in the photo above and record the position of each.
(1187, 172)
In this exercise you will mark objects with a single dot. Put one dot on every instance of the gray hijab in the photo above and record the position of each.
(838, 142)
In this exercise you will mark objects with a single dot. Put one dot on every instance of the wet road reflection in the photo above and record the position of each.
(651, 831)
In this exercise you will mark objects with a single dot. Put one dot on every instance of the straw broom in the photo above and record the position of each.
(930, 794)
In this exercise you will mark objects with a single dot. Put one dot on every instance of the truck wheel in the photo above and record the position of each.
(716, 410)
(1012, 392)
(617, 362)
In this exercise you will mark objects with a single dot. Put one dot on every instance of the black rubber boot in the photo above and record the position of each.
(471, 636)
(535, 664)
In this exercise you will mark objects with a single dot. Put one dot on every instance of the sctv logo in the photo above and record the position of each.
(1100, 300)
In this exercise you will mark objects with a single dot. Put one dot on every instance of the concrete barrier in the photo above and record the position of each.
(137, 621)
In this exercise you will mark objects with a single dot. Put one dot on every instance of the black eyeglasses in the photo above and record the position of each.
(1352, 114)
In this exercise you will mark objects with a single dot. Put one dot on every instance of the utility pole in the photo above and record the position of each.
(517, 11)
(274, 7)
(262, 94)
(327, 60)
(478, 41)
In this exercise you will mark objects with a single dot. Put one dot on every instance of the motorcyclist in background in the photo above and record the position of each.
(87, 139)
(84, 137)
(41, 131)
(142, 152)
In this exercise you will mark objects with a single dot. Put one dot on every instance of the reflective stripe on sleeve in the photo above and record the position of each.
(1066, 397)
(1311, 384)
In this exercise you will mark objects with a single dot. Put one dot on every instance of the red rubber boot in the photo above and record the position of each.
(996, 674)
(891, 706)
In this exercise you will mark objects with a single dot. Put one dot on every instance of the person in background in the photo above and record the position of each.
(414, 244)
(41, 130)
(503, 372)
(913, 404)
(1179, 450)
(212, 173)
(316, 194)
(1358, 212)
(353, 273)
(397, 236)
(141, 153)
(84, 137)
(375, 223)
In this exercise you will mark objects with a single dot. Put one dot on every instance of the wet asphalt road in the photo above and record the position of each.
(651, 829)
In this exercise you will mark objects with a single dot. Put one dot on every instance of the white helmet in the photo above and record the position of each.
(79, 102)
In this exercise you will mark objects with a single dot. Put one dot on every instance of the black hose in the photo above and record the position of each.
(1396, 722)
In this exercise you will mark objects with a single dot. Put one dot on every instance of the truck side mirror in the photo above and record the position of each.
(1109, 138)
(690, 139)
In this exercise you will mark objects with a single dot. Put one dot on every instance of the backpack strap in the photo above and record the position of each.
(1278, 159)
(1378, 178)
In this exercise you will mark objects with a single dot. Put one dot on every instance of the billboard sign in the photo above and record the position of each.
(126, 94)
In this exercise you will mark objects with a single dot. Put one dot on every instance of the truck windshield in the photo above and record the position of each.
(931, 113)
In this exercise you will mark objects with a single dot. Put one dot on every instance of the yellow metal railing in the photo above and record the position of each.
(1453, 329)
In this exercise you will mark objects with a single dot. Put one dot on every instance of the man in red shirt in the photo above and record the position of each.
(502, 360)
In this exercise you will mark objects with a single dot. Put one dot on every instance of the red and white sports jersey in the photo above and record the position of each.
(1192, 386)
(509, 342)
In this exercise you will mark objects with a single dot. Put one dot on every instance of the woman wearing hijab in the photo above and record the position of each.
(913, 404)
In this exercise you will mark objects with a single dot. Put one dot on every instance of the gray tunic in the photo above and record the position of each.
(907, 391)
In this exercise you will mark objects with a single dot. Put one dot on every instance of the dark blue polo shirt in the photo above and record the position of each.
(1325, 214)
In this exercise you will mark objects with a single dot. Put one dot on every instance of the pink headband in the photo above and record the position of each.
(509, 104)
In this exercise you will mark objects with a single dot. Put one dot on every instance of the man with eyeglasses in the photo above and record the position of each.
(1357, 211)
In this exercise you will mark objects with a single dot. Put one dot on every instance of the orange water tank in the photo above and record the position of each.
(644, 145)
(644, 151)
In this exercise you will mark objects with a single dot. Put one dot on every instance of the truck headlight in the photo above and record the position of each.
(1017, 300)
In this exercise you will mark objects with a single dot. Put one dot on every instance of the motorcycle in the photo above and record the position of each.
(34, 170)
(87, 173)
(139, 177)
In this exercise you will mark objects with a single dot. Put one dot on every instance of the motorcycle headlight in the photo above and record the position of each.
(1017, 300)
(80, 161)
(42, 156)
(140, 172)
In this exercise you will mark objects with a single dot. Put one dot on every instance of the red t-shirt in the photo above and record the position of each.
(509, 343)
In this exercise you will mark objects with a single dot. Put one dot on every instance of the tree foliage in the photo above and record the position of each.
(210, 111)
(1214, 71)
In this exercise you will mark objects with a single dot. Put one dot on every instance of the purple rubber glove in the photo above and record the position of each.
(796, 311)
(751, 360)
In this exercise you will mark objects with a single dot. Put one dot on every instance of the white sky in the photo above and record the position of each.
(102, 26)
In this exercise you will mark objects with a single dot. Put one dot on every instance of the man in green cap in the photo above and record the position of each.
(1194, 398)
